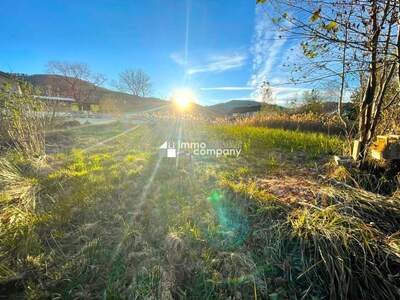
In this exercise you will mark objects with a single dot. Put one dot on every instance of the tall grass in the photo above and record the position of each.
(345, 250)
(306, 122)
(345, 245)
(20, 201)
(22, 120)
(260, 139)
(22, 164)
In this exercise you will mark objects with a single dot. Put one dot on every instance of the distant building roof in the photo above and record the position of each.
(60, 99)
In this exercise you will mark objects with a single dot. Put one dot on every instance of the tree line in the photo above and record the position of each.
(80, 82)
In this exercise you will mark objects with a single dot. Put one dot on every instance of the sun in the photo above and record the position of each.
(183, 97)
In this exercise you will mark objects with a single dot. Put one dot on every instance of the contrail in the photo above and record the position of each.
(188, 6)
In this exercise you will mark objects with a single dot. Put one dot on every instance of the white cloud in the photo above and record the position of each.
(227, 88)
(178, 58)
(264, 62)
(215, 101)
(219, 63)
(266, 49)
(288, 90)
(212, 63)
(281, 95)
(243, 98)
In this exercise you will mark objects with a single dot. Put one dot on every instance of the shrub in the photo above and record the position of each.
(19, 202)
(352, 246)
(22, 121)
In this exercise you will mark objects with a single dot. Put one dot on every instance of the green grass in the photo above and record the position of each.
(118, 222)
(262, 139)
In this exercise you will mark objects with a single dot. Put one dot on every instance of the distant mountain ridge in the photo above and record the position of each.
(59, 87)
(132, 103)
(233, 106)
(126, 102)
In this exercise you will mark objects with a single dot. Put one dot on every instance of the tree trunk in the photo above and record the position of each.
(53, 114)
(366, 127)
(398, 45)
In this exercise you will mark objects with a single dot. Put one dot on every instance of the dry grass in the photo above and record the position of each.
(20, 202)
(308, 122)
(381, 179)
(343, 248)
(18, 189)
(204, 230)
(22, 121)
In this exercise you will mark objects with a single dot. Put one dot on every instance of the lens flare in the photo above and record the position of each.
(230, 227)
(183, 97)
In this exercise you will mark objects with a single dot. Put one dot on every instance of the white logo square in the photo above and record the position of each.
(171, 153)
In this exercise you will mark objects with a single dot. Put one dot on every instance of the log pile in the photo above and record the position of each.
(386, 147)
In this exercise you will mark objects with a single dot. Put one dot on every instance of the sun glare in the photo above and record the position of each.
(183, 97)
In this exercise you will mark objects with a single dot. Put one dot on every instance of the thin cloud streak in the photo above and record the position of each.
(214, 64)
(178, 59)
(281, 95)
(218, 64)
(264, 69)
(227, 88)
(265, 54)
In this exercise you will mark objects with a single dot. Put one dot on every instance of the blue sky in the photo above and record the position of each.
(221, 49)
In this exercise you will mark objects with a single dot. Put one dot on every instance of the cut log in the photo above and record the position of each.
(386, 147)
(345, 161)
(356, 149)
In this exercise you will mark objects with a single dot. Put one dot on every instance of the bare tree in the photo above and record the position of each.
(134, 82)
(79, 82)
(264, 95)
(348, 38)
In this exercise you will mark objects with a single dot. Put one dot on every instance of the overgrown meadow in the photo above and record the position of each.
(104, 216)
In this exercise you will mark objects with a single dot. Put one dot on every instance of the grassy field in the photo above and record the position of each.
(106, 217)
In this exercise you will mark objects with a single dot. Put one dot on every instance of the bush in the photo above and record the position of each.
(351, 247)
(22, 121)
